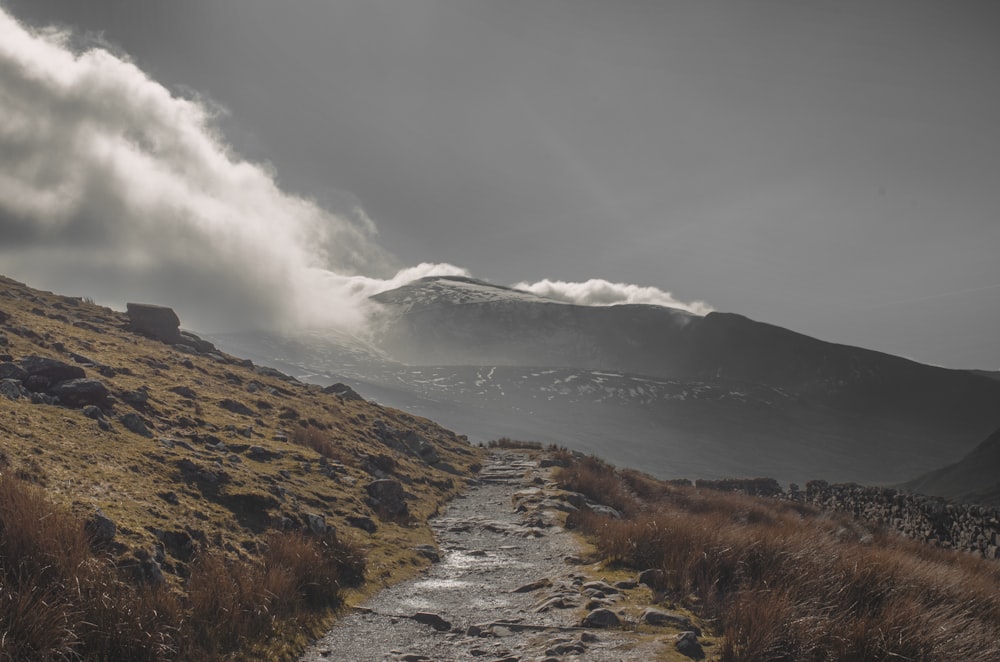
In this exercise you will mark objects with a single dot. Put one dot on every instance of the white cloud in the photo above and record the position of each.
(113, 187)
(598, 292)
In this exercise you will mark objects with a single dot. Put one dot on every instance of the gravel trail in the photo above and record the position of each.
(467, 606)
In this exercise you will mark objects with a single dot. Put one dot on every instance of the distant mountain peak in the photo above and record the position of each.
(432, 291)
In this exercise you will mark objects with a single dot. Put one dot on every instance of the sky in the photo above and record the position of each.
(832, 167)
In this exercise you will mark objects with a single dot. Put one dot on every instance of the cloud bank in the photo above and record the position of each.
(598, 292)
(115, 187)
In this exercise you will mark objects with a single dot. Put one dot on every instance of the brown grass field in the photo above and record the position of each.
(781, 582)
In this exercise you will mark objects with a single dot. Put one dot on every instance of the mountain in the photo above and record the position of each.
(973, 479)
(676, 394)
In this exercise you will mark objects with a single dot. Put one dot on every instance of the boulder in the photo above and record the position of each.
(665, 618)
(433, 620)
(688, 646)
(10, 370)
(134, 423)
(388, 496)
(42, 372)
(100, 528)
(10, 389)
(316, 523)
(429, 552)
(601, 618)
(362, 522)
(343, 390)
(157, 322)
(78, 393)
(236, 407)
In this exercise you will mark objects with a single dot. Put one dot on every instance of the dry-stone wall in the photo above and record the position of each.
(967, 527)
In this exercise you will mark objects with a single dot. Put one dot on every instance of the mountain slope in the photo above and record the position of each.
(651, 387)
(975, 478)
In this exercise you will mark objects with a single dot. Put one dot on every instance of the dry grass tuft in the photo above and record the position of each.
(782, 581)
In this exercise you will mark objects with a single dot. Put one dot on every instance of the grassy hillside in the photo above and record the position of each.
(235, 471)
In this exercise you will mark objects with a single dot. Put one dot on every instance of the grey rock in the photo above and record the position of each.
(665, 618)
(134, 423)
(136, 398)
(316, 523)
(236, 407)
(533, 586)
(388, 496)
(46, 372)
(81, 392)
(157, 322)
(100, 528)
(687, 645)
(10, 389)
(601, 618)
(343, 390)
(429, 552)
(9, 370)
(93, 411)
(434, 620)
(362, 522)
(184, 392)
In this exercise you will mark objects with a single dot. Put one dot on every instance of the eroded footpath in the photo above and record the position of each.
(507, 587)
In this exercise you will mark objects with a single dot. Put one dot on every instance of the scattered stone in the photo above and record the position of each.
(157, 322)
(429, 552)
(362, 522)
(261, 454)
(10, 389)
(626, 584)
(93, 411)
(100, 528)
(236, 407)
(9, 370)
(184, 392)
(601, 618)
(388, 496)
(134, 423)
(316, 523)
(533, 586)
(663, 618)
(687, 645)
(43, 372)
(433, 620)
(601, 587)
(81, 392)
(136, 398)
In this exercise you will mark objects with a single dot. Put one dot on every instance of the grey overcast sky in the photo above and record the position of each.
(828, 166)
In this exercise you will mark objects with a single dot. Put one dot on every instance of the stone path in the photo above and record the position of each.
(506, 587)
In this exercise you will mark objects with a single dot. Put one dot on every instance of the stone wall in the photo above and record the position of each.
(966, 527)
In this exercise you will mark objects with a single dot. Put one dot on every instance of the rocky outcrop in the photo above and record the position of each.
(343, 390)
(157, 322)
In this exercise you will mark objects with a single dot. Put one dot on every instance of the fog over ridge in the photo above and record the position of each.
(113, 187)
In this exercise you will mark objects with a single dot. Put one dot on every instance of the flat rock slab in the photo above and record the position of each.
(474, 589)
